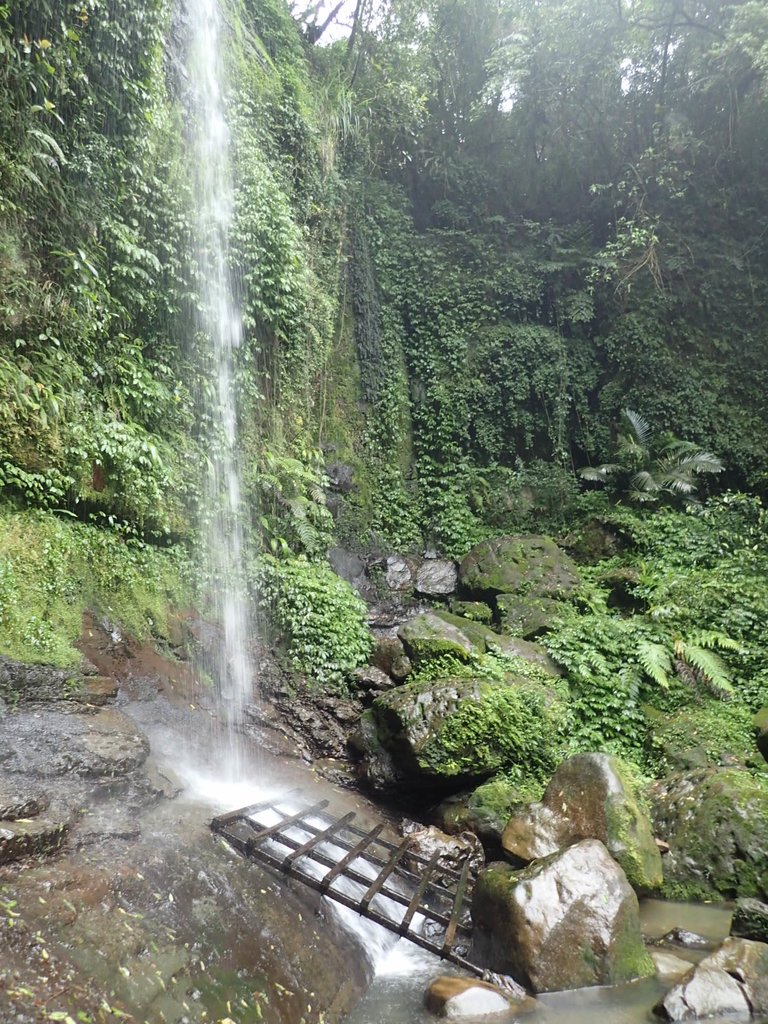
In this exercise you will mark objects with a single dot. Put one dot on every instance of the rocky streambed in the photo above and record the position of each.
(116, 902)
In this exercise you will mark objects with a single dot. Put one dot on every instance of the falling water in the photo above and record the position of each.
(220, 322)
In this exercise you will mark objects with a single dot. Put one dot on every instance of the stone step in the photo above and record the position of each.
(27, 838)
(20, 803)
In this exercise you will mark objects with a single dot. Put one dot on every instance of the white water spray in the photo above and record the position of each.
(221, 323)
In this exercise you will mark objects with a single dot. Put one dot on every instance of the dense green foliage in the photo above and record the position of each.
(465, 239)
(665, 648)
(323, 620)
(52, 571)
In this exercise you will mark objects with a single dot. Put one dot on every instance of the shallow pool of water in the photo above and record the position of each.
(396, 995)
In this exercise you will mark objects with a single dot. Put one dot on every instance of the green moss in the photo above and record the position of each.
(500, 726)
(475, 610)
(710, 732)
(52, 571)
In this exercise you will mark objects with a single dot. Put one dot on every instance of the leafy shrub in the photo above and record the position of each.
(321, 619)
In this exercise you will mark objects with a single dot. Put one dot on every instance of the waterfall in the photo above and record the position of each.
(221, 323)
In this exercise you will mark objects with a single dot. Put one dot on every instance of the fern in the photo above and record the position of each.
(656, 661)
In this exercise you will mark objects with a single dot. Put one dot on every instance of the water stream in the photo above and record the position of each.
(221, 323)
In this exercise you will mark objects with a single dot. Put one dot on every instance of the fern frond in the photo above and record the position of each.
(639, 427)
(710, 667)
(656, 661)
(598, 474)
(711, 638)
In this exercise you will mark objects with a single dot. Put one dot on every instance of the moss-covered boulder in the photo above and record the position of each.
(486, 809)
(440, 735)
(589, 796)
(716, 824)
(526, 616)
(530, 566)
(438, 634)
(434, 636)
(708, 733)
(478, 611)
(567, 921)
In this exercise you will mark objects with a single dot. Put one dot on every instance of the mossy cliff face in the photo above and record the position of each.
(528, 566)
(716, 824)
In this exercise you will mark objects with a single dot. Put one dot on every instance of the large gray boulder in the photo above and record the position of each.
(732, 980)
(589, 796)
(530, 566)
(450, 996)
(715, 821)
(437, 577)
(568, 921)
(750, 920)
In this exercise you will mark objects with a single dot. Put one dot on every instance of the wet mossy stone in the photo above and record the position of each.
(567, 921)
(443, 734)
(750, 920)
(478, 611)
(486, 809)
(526, 616)
(589, 796)
(439, 633)
(434, 636)
(716, 824)
(532, 566)
(710, 733)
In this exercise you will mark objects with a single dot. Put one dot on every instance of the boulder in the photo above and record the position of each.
(28, 838)
(437, 577)
(439, 633)
(715, 821)
(588, 797)
(669, 968)
(567, 921)
(432, 636)
(478, 611)
(732, 980)
(531, 566)
(389, 655)
(684, 939)
(400, 573)
(371, 679)
(439, 734)
(451, 996)
(750, 920)
(484, 810)
(452, 851)
(526, 616)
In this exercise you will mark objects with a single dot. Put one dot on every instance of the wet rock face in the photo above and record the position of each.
(17, 801)
(452, 851)
(532, 566)
(20, 839)
(567, 921)
(106, 743)
(588, 797)
(716, 824)
(750, 920)
(732, 980)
